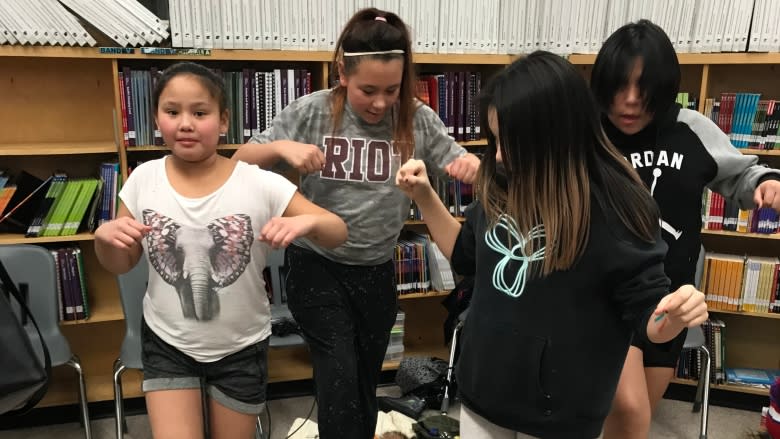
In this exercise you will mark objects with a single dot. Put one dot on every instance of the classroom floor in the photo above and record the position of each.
(673, 420)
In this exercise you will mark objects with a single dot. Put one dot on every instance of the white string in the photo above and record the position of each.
(379, 52)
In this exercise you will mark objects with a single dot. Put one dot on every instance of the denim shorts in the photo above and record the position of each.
(237, 381)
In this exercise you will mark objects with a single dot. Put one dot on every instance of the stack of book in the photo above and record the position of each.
(411, 264)
(58, 205)
(741, 283)
(690, 362)
(52, 22)
(395, 349)
(762, 378)
(71, 284)
(64, 207)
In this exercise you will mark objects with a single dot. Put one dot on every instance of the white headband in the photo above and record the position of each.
(380, 52)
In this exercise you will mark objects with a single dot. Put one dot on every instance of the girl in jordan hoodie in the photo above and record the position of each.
(677, 154)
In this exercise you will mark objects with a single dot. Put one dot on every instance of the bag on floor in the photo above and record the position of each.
(23, 378)
(424, 377)
(437, 426)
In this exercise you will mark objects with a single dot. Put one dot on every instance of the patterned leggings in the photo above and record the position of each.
(346, 313)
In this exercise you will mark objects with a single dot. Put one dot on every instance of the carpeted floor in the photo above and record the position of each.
(673, 420)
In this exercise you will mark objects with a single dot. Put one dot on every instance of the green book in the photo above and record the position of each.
(82, 281)
(80, 204)
(62, 208)
(45, 210)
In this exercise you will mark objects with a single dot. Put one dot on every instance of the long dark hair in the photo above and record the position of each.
(660, 79)
(364, 33)
(555, 153)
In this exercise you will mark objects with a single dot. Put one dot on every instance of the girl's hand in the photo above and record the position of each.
(768, 195)
(464, 168)
(683, 308)
(412, 178)
(304, 157)
(122, 233)
(279, 232)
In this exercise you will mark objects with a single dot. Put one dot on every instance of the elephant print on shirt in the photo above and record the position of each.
(198, 262)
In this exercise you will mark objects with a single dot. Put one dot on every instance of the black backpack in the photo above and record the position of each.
(23, 378)
(424, 377)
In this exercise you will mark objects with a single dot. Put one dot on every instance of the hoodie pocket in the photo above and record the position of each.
(510, 376)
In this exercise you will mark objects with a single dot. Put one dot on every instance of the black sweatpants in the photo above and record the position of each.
(346, 313)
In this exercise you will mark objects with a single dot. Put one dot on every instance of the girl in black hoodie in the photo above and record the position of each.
(566, 251)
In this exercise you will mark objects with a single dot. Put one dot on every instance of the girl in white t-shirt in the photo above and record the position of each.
(205, 223)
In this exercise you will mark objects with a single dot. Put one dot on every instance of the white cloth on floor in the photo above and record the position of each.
(394, 421)
(385, 422)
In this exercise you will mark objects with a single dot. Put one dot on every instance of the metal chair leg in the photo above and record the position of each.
(699, 394)
(119, 369)
(445, 402)
(705, 400)
(83, 402)
(259, 429)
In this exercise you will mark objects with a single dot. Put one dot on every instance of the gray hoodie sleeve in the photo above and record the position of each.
(737, 175)
(433, 144)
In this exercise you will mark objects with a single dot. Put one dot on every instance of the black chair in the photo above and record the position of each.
(445, 402)
(34, 270)
(695, 340)
(132, 288)
(279, 310)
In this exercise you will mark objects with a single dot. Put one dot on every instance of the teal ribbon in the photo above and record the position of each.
(515, 253)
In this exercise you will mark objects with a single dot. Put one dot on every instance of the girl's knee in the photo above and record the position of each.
(632, 405)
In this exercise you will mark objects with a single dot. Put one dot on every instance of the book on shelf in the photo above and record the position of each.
(23, 204)
(689, 364)
(71, 283)
(718, 213)
(741, 283)
(751, 376)
(43, 216)
(411, 263)
(440, 270)
(749, 121)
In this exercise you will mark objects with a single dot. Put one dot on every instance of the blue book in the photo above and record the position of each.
(751, 375)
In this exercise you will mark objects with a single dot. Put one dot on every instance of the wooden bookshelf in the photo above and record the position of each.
(146, 148)
(411, 296)
(761, 152)
(18, 238)
(474, 143)
(460, 219)
(58, 148)
(700, 58)
(763, 315)
(728, 387)
(768, 236)
(74, 90)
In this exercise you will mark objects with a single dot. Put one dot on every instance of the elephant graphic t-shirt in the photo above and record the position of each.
(357, 182)
(206, 294)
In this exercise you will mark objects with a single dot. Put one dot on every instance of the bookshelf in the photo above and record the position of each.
(60, 109)
(749, 337)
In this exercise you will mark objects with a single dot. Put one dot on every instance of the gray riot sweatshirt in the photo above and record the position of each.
(358, 180)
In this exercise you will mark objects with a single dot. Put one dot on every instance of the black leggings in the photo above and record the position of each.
(346, 313)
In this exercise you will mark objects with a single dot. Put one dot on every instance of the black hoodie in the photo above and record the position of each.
(546, 361)
(679, 154)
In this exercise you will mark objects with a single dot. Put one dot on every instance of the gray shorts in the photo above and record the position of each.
(237, 381)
